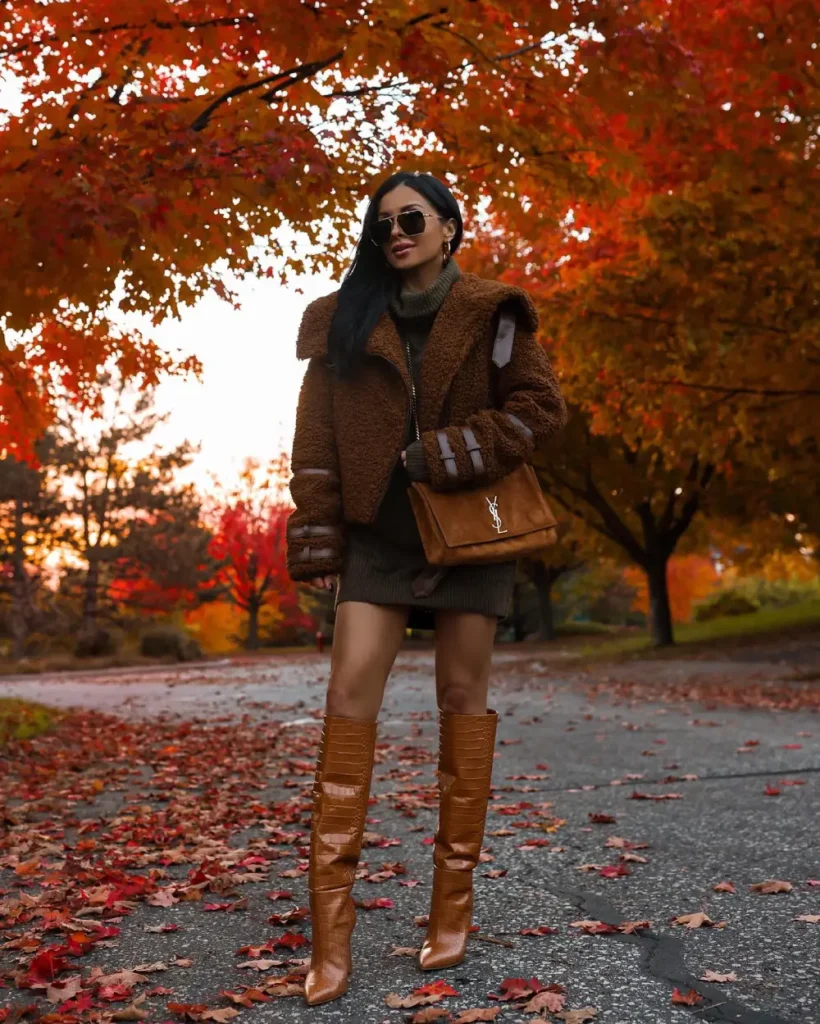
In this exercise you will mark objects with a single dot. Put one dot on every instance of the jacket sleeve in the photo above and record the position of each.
(494, 441)
(315, 531)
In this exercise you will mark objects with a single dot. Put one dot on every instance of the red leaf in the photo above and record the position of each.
(691, 998)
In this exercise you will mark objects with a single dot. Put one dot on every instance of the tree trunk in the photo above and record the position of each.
(19, 594)
(252, 642)
(92, 582)
(544, 580)
(660, 616)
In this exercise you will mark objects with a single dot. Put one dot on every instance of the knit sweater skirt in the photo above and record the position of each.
(382, 560)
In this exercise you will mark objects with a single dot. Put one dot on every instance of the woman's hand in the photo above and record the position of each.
(323, 582)
(404, 459)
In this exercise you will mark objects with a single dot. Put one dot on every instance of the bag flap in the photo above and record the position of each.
(510, 507)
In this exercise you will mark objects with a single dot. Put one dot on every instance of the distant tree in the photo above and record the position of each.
(636, 497)
(127, 518)
(248, 525)
(28, 514)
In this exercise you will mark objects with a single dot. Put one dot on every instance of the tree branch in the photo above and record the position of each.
(735, 390)
(293, 74)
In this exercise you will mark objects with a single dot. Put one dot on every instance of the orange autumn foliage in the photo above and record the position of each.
(152, 148)
(219, 625)
(690, 578)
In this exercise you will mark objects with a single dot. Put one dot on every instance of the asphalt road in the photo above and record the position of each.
(722, 826)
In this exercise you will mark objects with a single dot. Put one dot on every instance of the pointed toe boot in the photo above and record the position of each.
(341, 790)
(466, 745)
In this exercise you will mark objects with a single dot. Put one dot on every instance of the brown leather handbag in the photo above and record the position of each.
(496, 522)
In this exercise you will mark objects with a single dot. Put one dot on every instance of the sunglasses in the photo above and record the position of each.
(412, 222)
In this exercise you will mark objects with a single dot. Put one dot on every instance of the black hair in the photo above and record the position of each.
(370, 282)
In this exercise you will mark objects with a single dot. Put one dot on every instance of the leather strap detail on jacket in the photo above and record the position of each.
(448, 456)
(502, 347)
(316, 472)
(519, 424)
(314, 531)
(474, 448)
(308, 554)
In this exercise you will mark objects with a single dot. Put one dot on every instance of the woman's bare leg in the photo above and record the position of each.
(464, 649)
(366, 639)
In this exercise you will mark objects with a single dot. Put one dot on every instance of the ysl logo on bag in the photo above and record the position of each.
(494, 513)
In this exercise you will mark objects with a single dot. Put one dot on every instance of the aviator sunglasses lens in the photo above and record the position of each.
(411, 222)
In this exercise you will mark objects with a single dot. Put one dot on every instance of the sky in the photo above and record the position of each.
(245, 404)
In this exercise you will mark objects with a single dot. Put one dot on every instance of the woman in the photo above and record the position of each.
(400, 385)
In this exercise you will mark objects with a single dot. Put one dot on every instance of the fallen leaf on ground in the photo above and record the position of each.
(714, 976)
(724, 887)
(397, 1002)
(478, 1014)
(436, 988)
(431, 1013)
(810, 918)
(133, 1011)
(65, 988)
(221, 1015)
(690, 998)
(404, 951)
(614, 871)
(630, 927)
(581, 1016)
(699, 920)
(517, 988)
(380, 903)
(124, 977)
(192, 1011)
(280, 894)
(541, 929)
(773, 885)
(592, 927)
(551, 999)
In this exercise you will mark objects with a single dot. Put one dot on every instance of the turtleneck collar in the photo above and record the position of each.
(414, 304)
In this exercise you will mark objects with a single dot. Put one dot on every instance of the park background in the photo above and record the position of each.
(181, 181)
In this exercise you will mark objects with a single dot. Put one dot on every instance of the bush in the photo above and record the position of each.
(778, 593)
(726, 602)
(97, 641)
(168, 641)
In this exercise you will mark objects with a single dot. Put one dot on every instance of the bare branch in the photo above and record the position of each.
(285, 78)
(735, 390)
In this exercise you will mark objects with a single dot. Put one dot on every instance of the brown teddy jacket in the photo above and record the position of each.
(350, 432)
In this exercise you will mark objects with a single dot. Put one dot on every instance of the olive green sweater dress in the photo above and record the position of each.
(383, 558)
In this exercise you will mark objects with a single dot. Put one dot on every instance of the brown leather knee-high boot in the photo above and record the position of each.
(340, 793)
(466, 744)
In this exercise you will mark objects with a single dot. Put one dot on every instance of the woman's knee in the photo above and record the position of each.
(463, 696)
(354, 694)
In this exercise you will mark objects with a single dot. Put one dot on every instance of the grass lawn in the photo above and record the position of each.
(695, 636)
(22, 719)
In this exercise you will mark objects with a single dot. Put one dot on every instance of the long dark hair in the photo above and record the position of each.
(370, 282)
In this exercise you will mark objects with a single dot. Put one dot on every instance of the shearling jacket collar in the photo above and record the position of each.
(464, 317)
